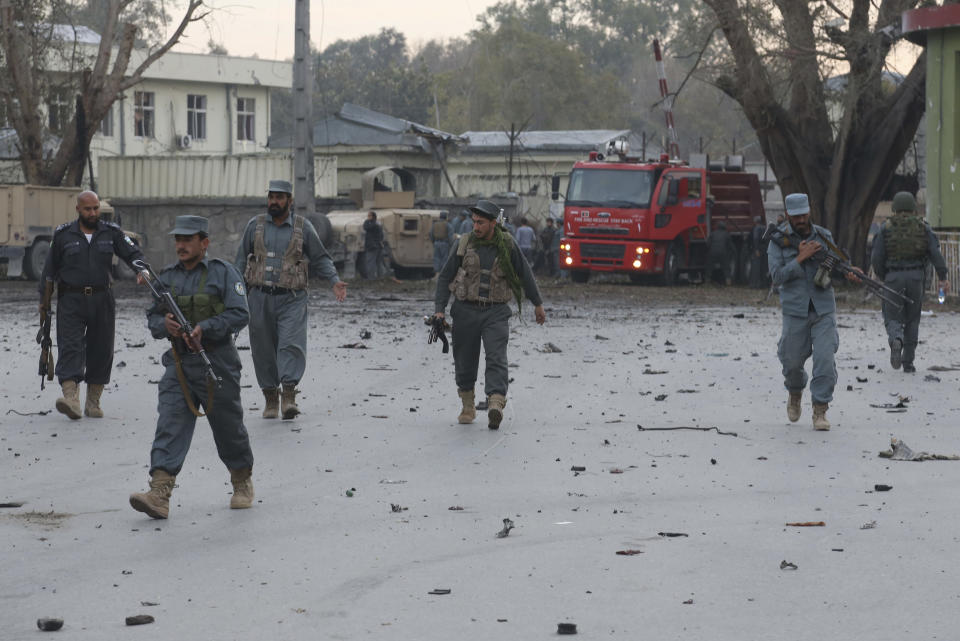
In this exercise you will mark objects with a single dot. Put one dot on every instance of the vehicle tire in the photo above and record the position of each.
(35, 258)
(579, 275)
(324, 229)
(672, 266)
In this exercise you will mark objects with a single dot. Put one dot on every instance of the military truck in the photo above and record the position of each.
(406, 229)
(29, 214)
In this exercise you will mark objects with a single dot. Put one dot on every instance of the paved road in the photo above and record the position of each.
(310, 562)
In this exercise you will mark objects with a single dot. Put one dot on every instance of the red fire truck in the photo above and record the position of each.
(649, 218)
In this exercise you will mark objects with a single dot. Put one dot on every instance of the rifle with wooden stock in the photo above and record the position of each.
(43, 335)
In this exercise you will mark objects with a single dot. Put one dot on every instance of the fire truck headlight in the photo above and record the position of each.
(639, 250)
(636, 264)
(569, 260)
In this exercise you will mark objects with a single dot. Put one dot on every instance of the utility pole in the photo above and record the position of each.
(513, 137)
(303, 179)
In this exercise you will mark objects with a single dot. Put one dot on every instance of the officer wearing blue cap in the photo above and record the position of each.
(809, 310)
(210, 293)
(275, 255)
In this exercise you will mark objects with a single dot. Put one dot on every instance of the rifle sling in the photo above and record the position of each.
(187, 396)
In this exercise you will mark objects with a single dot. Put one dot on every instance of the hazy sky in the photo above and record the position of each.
(265, 27)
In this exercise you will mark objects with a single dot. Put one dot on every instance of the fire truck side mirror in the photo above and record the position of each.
(669, 193)
(555, 188)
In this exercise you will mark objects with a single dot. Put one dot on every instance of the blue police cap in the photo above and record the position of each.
(190, 225)
(283, 186)
(797, 204)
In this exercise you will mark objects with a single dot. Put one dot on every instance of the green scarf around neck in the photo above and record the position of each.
(500, 241)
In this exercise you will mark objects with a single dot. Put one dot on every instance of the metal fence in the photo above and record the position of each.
(950, 248)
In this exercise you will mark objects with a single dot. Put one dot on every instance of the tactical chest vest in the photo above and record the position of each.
(200, 306)
(905, 240)
(292, 273)
(477, 285)
(440, 230)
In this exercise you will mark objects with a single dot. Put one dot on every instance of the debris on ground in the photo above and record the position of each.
(941, 368)
(660, 397)
(901, 404)
(507, 526)
(629, 552)
(578, 468)
(930, 378)
(684, 427)
(455, 508)
(566, 628)
(601, 338)
(807, 524)
(671, 535)
(550, 348)
(787, 565)
(353, 346)
(139, 619)
(439, 591)
(654, 372)
(365, 334)
(49, 625)
(869, 526)
(882, 488)
(481, 406)
(12, 504)
(396, 507)
(40, 413)
(899, 451)
(135, 345)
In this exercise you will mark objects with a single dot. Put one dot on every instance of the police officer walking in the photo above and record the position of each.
(900, 258)
(274, 256)
(809, 310)
(211, 295)
(485, 272)
(441, 234)
(79, 264)
(372, 246)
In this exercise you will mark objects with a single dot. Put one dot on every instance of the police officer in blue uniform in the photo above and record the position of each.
(809, 310)
(211, 294)
(79, 264)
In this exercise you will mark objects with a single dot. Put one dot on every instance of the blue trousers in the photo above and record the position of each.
(802, 337)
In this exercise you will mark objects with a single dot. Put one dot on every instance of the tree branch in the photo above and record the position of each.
(188, 17)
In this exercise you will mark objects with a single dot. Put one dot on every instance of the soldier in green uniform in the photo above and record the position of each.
(211, 294)
(484, 273)
(900, 258)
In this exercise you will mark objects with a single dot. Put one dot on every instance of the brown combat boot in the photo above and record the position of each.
(468, 412)
(793, 406)
(288, 406)
(820, 422)
(69, 403)
(156, 502)
(271, 407)
(92, 408)
(242, 489)
(495, 405)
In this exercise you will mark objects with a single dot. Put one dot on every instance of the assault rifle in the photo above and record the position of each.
(832, 258)
(164, 296)
(43, 335)
(438, 327)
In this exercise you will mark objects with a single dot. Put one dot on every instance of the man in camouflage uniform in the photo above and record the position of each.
(79, 264)
(274, 256)
(484, 273)
(900, 258)
(809, 310)
(211, 295)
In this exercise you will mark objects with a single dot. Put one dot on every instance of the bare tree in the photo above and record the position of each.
(40, 57)
(840, 142)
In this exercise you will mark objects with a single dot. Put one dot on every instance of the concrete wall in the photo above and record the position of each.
(154, 219)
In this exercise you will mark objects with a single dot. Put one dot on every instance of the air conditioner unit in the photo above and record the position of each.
(184, 141)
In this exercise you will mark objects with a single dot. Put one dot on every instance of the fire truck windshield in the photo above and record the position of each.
(610, 188)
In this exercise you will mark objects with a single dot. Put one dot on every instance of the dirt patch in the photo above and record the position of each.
(46, 520)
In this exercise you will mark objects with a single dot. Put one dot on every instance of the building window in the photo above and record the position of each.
(143, 114)
(197, 116)
(59, 108)
(245, 119)
(106, 125)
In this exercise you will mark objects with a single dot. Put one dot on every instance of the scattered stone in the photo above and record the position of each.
(566, 628)
(660, 397)
(787, 565)
(140, 619)
(882, 488)
(550, 348)
(49, 625)
(930, 378)
(365, 334)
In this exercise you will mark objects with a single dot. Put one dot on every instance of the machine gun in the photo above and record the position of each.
(438, 327)
(43, 335)
(832, 258)
(164, 296)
